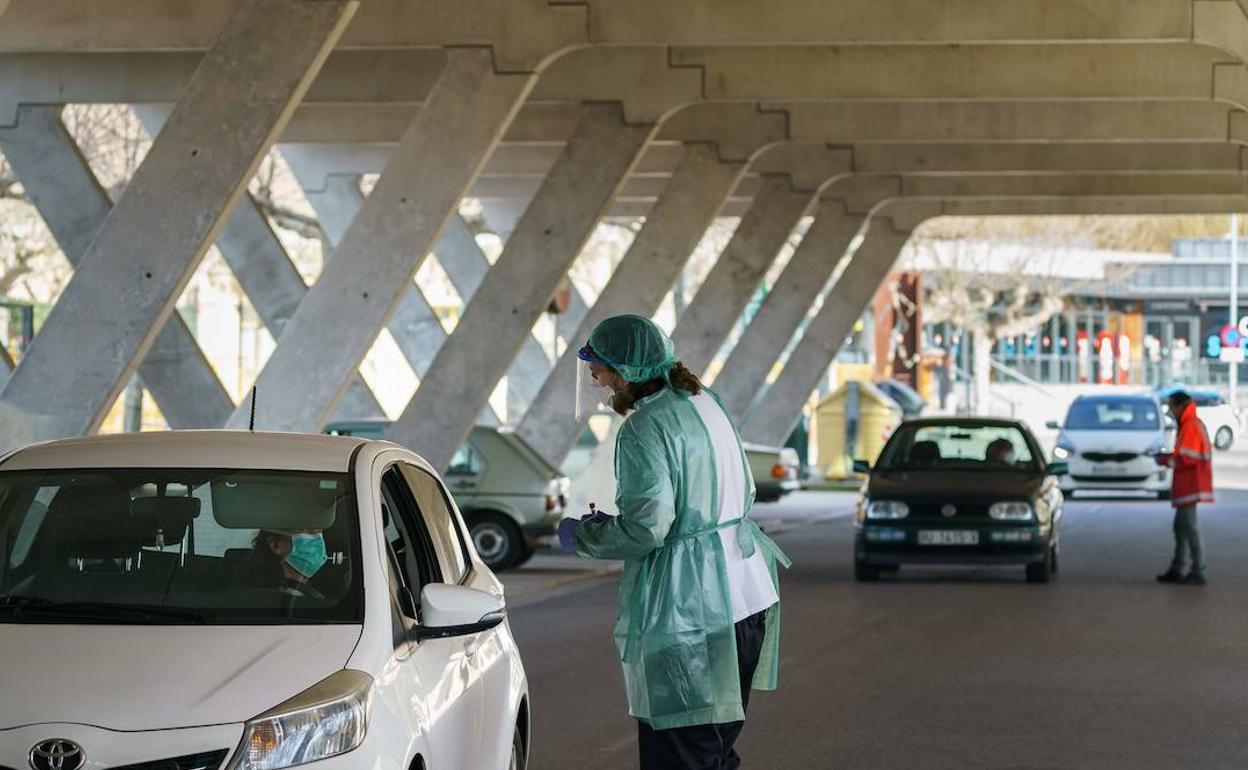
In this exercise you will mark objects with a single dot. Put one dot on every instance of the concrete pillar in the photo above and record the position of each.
(722, 298)
(683, 212)
(777, 412)
(74, 206)
(786, 306)
(441, 152)
(574, 196)
(123, 292)
(264, 271)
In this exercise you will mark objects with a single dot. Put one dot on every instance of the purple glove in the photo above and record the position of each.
(567, 533)
(568, 527)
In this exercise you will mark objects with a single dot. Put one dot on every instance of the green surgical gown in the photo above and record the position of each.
(674, 628)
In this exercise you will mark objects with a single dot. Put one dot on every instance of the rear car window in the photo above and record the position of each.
(179, 545)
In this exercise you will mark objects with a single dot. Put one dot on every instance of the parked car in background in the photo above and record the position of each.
(227, 599)
(1221, 420)
(907, 398)
(1108, 442)
(775, 471)
(959, 490)
(510, 497)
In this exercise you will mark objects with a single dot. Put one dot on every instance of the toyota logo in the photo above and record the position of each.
(57, 754)
(948, 511)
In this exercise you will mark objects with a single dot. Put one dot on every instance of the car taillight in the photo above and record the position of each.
(778, 471)
(550, 502)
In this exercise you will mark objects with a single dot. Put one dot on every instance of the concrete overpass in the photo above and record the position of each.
(871, 115)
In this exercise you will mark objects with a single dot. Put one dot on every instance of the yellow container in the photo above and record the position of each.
(877, 417)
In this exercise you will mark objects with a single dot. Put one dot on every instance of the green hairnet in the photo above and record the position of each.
(634, 346)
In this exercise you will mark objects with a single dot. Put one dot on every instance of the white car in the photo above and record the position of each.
(1218, 417)
(1108, 442)
(247, 601)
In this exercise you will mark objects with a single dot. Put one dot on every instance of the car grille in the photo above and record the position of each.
(208, 760)
(933, 511)
(1110, 457)
(1112, 479)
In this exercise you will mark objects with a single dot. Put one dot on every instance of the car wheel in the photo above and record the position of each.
(1163, 495)
(1053, 554)
(1041, 571)
(864, 572)
(1223, 438)
(526, 553)
(519, 759)
(497, 539)
(1067, 494)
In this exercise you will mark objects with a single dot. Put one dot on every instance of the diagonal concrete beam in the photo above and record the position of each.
(686, 208)
(539, 253)
(723, 296)
(74, 206)
(773, 419)
(783, 310)
(441, 153)
(109, 314)
(265, 273)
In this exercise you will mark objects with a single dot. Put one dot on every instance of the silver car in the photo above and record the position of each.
(1108, 442)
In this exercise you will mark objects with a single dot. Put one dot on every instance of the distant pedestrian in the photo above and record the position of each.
(1192, 461)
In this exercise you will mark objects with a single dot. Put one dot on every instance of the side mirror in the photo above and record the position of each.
(862, 466)
(1057, 469)
(449, 610)
(1052, 425)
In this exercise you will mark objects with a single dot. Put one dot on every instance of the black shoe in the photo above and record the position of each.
(1193, 579)
(1170, 576)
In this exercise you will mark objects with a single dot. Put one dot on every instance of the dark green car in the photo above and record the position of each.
(972, 491)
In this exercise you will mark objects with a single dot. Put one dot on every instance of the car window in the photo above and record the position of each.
(1113, 414)
(971, 446)
(412, 556)
(434, 507)
(192, 545)
(466, 462)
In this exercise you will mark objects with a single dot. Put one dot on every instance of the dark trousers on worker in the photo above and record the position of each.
(706, 747)
(1187, 541)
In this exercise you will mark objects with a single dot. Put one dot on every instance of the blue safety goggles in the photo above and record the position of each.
(585, 355)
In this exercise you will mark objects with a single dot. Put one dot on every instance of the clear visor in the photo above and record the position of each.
(591, 397)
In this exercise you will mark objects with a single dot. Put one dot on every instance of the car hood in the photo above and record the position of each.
(134, 678)
(938, 486)
(1138, 441)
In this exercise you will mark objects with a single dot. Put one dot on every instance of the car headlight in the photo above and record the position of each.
(325, 720)
(1064, 449)
(1010, 511)
(887, 509)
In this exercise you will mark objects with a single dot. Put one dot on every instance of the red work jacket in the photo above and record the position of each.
(1192, 462)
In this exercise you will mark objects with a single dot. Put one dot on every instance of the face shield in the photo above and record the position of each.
(591, 396)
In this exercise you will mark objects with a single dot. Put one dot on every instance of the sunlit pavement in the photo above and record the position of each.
(945, 668)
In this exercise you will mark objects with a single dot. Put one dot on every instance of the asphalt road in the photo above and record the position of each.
(940, 668)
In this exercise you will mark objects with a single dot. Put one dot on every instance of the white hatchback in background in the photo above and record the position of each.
(1108, 442)
(1218, 417)
(140, 627)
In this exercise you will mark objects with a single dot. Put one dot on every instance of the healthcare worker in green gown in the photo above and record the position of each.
(699, 608)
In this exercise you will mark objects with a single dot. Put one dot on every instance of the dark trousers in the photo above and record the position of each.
(1187, 541)
(706, 747)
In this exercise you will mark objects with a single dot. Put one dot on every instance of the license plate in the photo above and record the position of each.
(948, 537)
(1108, 470)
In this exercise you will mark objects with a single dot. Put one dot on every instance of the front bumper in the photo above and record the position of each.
(1137, 474)
(884, 544)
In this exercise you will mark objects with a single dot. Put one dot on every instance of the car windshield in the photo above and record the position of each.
(178, 546)
(1113, 414)
(969, 446)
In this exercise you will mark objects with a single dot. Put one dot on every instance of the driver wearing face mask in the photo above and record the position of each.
(285, 561)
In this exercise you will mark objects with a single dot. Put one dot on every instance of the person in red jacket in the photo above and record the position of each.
(1192, 460)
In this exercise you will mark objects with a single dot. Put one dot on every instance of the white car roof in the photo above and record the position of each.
(192, 449)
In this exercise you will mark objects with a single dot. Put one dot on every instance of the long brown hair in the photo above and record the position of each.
(625, 401)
